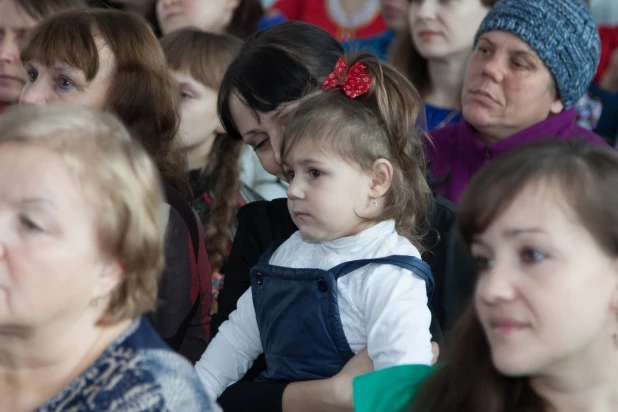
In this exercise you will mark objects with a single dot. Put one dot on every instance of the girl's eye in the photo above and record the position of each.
(186, 95)
(30, 225)
(32, 75)
(530, 255)
(64, 83)
(315, 173)
(290, 175)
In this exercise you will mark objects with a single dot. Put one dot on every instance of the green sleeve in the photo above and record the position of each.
(389, 390)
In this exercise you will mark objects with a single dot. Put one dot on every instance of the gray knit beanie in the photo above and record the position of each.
(563, 34)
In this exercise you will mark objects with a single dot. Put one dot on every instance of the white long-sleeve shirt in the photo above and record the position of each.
(382, 307)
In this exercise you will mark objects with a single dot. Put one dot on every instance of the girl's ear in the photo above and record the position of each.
(382, 177)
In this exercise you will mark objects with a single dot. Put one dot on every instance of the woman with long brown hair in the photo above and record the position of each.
(110, 60)
(198, 61)
(433, 50)
(542, 332)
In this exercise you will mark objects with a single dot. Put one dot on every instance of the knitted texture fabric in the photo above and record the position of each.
(563, 34)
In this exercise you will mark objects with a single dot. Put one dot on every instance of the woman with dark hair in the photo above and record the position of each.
(237, 17)
(17, 18)
(542, 333)
(260, 91)
(110, 60)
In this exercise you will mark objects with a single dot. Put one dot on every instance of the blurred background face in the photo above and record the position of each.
(207, 15)
(199, 122)
(443, 28)
(65, 84)
(50, 260)
(15, 23)
(395, 13)
(547, 292)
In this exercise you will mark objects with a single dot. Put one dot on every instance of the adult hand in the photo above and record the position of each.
(360, 364)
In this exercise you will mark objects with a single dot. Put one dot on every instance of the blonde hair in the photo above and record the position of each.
(121, 182)
(381, 124)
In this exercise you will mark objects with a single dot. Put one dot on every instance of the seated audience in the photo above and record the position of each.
(81, 253)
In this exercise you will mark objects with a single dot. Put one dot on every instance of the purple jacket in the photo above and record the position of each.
(457, 154)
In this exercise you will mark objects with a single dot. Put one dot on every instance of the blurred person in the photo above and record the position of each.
(17, 18)
(237, 17)
(81, 253)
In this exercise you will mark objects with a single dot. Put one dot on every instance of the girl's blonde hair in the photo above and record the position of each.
(206, 56)
(121, 183)
(381, 124)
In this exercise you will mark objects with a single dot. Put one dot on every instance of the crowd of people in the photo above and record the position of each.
(334, 205)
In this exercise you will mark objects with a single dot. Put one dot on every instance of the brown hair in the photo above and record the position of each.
(378, 124)
(586, 176)
(245, 18)
(407, 59)
(121, 182)
(142, 93)
(206, 56)
(41, 9)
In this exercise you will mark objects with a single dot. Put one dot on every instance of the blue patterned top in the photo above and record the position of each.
(136, 373)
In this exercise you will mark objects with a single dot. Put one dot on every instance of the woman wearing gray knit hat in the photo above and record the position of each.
(532, 61)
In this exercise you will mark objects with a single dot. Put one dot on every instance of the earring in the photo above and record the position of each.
(374, 203)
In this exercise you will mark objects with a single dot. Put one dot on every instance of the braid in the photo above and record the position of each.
(222, 175)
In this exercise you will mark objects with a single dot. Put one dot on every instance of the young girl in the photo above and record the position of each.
(197, 61)
(351, 276)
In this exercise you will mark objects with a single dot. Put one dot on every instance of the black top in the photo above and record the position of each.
(262, 223)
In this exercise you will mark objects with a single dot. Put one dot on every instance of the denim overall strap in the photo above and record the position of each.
(411, 263)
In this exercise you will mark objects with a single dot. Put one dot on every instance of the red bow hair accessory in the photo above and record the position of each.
(354, 83)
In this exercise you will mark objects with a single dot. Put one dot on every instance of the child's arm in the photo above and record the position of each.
(396, 317)
(232, 352)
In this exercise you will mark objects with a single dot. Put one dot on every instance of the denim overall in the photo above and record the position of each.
(298, 316)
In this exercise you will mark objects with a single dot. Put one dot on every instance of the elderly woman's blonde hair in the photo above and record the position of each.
(121, 184)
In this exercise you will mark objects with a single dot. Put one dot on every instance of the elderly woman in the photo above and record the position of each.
(532, 61)
(110, 60)
(81, 252)
(542, 333)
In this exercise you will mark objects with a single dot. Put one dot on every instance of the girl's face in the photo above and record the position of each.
(547, 294)
(207, 15)
(199, 122)
(327, 195)
(264, 133)
(444, 28)
(65, 84)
